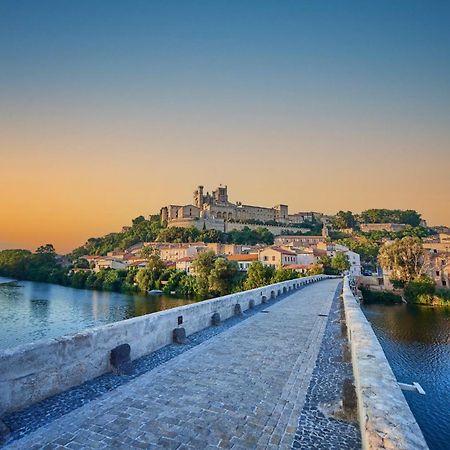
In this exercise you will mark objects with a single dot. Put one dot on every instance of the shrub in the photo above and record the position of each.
(379, 297)
(420, 290)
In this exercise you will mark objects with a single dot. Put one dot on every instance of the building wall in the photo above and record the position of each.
(275, 258)
(200, 224)
(299, 241)
(275, 230)
(382, 227)
(306, 258)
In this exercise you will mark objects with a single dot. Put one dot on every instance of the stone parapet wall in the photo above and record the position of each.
(274, 229)
(386, 420)
(32, 372)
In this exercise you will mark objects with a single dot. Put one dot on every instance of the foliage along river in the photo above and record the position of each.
(30, 311)
(416, 340)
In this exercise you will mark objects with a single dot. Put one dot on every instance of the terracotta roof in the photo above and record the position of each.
(186, 259)
(247, 257)
(282, 250)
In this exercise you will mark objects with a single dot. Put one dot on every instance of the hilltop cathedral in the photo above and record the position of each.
(216, 208)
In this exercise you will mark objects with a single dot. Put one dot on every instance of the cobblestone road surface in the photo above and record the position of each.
(244, 388)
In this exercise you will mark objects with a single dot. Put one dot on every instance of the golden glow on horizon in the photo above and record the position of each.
(65, 186)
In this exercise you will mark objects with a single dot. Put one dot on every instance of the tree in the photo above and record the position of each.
(46, 249)
(283, 274)
(81, 263)
(325, 262)
(403, 257)
(111, 281)
(15, 263)
(316, 269)
(344, 219)
(258, 275)
(335, 265)
(222, 276)
(420, 290)
(148, 278)
(409, 216)
(148, 251)
(367, 249)
(340, 262)
(137, 220)
(202, 265)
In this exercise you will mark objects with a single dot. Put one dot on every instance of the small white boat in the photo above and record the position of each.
(155, 292)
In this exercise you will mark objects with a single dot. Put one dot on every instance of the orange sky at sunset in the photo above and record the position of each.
(79, 182)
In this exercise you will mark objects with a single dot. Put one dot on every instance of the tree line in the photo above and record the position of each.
(151, 230)
(213, 275)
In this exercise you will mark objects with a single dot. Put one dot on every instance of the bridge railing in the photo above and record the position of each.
(385, 418)
(32, 372)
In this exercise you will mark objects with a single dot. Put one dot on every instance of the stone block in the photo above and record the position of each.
(179, 336)
(120, 359)
(349, 402)
(215, 319)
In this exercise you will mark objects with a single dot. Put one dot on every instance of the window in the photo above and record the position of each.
(273, 258)
(437, 273)
(444, 283)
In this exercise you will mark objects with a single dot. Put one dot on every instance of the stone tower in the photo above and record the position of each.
(198, 197)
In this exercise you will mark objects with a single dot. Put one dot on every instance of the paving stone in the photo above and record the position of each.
(316, 429)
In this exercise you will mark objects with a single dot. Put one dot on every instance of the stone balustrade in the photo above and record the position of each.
(385, 418)
(35, 371)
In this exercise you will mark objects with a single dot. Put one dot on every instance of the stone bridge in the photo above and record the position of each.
(291, 365)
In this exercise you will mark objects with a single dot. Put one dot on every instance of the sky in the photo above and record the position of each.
(112, 109)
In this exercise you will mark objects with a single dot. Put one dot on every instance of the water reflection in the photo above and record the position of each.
(31, 311)
(416, 340)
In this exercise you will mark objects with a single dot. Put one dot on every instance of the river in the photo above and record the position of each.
(416, 340)
(30, 311)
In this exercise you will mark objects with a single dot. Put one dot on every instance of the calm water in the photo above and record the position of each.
(31, 311)
(416, 341)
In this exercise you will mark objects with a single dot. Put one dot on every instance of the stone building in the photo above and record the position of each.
(277, 256)
(216, 205)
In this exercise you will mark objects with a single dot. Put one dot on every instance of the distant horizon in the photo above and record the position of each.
(111, 110)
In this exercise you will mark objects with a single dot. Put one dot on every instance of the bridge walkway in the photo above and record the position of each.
(244, 388)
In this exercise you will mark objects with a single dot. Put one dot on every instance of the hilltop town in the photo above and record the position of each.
(242, 246)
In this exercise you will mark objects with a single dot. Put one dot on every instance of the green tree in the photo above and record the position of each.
(344, 219)
(403, 257)
(340, 263)
(366, 248)
(408, 217)
(317, 269)
(111, 281)
(148, 278)
(283, 274)
(222, 277)
(202, 265)
(258, 275)
(15, 263)
(420, 290)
